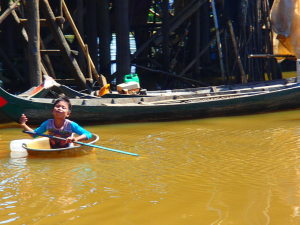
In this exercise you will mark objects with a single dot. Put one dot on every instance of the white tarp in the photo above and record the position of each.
(285, 19)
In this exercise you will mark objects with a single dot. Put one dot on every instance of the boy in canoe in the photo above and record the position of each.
(59, 126)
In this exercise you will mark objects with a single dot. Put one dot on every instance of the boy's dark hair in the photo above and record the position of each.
(64, 99)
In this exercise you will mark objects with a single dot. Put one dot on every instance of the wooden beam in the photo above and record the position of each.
(58, 19)
(63, 44)
(100, 78)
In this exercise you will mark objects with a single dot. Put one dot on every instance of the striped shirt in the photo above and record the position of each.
(67, 130)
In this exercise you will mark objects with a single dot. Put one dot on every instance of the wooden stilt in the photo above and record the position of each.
(219, 44)
(175, 22)
(165, 35)
(104, 37)
(236, 52)
(34, 57)
(122, 39)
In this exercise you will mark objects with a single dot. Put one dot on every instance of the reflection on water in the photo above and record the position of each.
(235, 170)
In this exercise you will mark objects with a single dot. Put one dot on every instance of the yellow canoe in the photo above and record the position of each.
(41, 147)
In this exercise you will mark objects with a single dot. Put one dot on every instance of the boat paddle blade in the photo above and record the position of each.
(16, 148)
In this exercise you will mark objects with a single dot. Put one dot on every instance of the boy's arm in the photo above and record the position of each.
(83, 133)
(40, 130)
(23, 120)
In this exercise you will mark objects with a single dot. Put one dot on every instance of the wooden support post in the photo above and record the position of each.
(219, 44)
(196, 41)
(91, 29)
(175, 22)
(63, 44)
(189, 66)
(100, 78)
(236, 52)
(165, 35)
(34, 58)
(45, 69)
(104, 37)
(122, 39)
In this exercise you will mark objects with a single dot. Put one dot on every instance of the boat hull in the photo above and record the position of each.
(160, 108)
(40, 147)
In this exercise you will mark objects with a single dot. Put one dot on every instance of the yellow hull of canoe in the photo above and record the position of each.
(41, 147)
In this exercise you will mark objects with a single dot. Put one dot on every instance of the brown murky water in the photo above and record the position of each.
(235, 170)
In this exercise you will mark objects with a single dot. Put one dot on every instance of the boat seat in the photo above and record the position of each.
(39, 143)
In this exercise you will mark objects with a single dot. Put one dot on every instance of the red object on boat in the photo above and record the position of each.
(3, 102)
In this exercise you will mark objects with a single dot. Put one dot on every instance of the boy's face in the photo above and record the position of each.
(61, 110)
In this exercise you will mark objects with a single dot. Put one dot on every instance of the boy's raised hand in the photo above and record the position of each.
(23, 119)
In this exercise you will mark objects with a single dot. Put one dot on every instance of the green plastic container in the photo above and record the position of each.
(131, 77)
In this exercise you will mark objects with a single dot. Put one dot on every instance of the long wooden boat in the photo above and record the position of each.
(41, 147)
(162, 106)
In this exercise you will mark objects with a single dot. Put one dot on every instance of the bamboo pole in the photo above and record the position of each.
(100, 78)
(90, 75)
(237, 55)
(10, 9)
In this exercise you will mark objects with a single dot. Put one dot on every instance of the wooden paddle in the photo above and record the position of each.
(82, 143)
